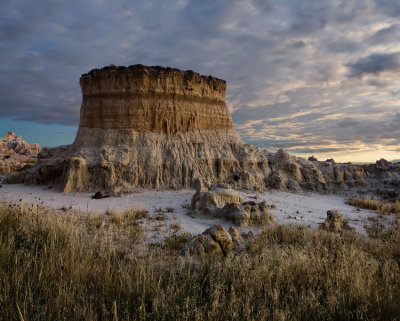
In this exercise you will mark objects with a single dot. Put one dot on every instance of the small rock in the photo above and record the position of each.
(97, 196)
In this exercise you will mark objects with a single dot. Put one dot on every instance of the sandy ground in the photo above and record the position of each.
(168, 210)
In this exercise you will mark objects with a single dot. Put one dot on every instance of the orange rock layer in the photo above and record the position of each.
(152, 99)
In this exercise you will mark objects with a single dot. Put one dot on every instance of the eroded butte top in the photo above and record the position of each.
(152, 99)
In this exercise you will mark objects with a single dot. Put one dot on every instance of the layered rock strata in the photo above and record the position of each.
(16, 153)
(155, 127)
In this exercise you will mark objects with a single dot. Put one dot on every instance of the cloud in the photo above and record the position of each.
(300, 75)
(385, 35)
(389, 7)
(375, 64)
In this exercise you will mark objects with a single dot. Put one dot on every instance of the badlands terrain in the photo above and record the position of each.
(150, 136)
(158, 210)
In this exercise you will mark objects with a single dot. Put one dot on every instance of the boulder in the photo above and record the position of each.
(213, 241)
(225, 203)
(215, 196)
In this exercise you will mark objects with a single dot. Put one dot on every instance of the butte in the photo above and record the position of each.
(155, 127)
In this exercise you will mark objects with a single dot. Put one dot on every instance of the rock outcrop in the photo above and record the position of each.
(12, 144)
(155, 127)
(214, 197)
(226, 203)
(213, 241)
(15, 153)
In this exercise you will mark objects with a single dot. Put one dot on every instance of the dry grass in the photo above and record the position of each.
(62, 267)
(176, 241)
(381, 207)
(130, 216)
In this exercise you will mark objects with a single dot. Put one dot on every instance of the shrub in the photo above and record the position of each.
(175, 241)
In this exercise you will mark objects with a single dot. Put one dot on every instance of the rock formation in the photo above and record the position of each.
(213, 241)
(15, 145)
(15, 153)
(155, 127)
(228, 204)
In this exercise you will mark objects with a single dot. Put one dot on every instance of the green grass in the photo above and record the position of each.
(70, 267)
(381, 207)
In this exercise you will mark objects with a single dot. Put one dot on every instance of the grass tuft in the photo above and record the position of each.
(176, 241)
(381, 207)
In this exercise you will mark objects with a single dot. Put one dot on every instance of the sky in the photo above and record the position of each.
(314, 77)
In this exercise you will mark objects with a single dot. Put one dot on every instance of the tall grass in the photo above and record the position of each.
(67, 267)
(381, 207)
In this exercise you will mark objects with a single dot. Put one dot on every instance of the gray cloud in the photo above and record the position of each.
(385, 35)
(375, 64)
(299, 72)
(389, 7)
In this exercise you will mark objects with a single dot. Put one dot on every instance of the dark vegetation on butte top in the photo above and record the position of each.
(155, 127)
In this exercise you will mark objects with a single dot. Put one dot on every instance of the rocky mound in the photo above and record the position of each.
(228, 204)
(15, 152)
(155, 127)
(213, 241)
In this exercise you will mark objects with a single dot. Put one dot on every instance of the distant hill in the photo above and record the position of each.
(15, 153)
(15, 145)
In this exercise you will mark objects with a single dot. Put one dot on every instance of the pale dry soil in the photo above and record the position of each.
(169, 213)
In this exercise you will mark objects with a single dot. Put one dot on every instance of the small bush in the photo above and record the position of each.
(175, 241)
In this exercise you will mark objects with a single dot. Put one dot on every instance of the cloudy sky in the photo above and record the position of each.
(315, 77)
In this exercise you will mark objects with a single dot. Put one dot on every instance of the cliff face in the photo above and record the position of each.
(153, 99)
(154, 127)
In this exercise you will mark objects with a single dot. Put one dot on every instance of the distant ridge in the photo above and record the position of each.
(15, 153)
(12, 144)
